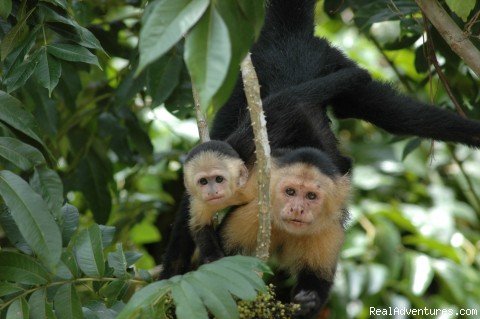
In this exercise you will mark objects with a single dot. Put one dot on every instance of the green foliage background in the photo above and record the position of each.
(96, 116)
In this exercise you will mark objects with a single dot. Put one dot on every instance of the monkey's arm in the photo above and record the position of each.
(397, 113)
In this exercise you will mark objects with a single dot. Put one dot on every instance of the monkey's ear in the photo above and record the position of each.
(243, 176)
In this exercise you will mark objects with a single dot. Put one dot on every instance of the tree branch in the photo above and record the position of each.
(452, 34)
(252, 92)
(201, 121)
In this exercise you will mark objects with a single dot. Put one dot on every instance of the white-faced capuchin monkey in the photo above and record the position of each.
(308, 195)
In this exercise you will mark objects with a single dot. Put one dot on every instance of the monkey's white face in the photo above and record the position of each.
(212, 185)
(304, 200)
(213, 179)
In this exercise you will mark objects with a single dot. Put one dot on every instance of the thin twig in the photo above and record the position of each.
(201, 121)
(252, 92)
(433, 59)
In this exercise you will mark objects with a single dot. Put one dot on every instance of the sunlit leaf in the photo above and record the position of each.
(167, 23)
(208, 54)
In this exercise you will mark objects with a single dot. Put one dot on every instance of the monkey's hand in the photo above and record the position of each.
(310, 304)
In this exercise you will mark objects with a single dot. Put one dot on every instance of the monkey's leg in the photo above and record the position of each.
(311, 292)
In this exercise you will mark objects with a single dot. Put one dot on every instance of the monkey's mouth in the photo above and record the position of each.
(214, 199)
(296, 222)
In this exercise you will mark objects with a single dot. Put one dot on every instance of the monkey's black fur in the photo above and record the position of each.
(300, 75)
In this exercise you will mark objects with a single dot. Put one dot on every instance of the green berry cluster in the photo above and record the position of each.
(265, 306)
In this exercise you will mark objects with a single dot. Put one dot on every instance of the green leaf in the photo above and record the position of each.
(66, 303)
(13, 113)
(70, 222)
(5, 8)
(108, 234)
(248, 14)
(38, 303)
(22, 269)
(70, 29)
(48, 184)
(118, 262)
(163, 77)
(22, 155)
(7, 288)
(68, 258)
(168, 21)
(18, 309)
(216, 298)
(145, 297)
(32, 216)
(20, 74)
(48, 70)
(89, 251)
(188, 303)
(92, 178)
(17, 56)
(114, 290)
(60, 3)
(73, 53)
(461, 8)
(14, 36)
(12, 231)
(412, 145)
(207, 54)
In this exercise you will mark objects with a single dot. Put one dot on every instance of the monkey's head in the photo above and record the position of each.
(307, 192)
(213, 172)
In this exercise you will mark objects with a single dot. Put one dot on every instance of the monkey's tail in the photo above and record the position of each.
(290, 15)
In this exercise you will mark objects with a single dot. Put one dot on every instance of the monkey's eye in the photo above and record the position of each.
(203, 181)
(290, 191)
(311, 195)
(219, 179)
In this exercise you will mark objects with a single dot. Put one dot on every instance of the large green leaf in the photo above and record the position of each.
(189, 304)
(48, 184)
(211, 286)
(18, 309)
(48, 70)
(22, 269)
(207, 54)
(13, 113)
(67, 304)
(89, 251)
(248, 14)
(33, 218)
(20, 154)
(163, 77)
(73, 53)
(168, 21)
